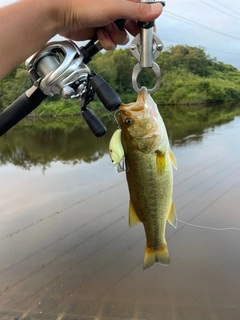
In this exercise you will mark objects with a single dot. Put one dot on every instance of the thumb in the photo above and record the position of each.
(134, 10)
(98, 13)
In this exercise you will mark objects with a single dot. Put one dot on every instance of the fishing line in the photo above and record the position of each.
(208, 228)
(201, 211)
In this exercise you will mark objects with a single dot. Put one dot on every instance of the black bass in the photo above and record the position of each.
(149, 173)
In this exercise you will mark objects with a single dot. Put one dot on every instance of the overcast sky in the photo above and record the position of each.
(212, 24)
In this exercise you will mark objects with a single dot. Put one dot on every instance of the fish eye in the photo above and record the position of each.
(128, 121)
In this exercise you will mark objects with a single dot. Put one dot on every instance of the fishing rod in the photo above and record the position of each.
(61, 68)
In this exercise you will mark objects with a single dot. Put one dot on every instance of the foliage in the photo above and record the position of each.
(13, 86)
(41, 141)
(189, 76)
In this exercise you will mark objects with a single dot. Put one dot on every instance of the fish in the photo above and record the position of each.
(149, 164)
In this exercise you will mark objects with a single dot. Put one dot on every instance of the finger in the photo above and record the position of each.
(106, 41)
(106, 11)
(134, 10)
(79, 35)
(132, 27)
(117, 36)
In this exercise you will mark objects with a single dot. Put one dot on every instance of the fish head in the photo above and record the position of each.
(142, 126)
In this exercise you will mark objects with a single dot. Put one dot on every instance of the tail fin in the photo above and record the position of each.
(160, 255)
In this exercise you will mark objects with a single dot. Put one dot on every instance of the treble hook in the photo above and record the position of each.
(114, 117)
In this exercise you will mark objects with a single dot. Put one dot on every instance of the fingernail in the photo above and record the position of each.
(156, 7)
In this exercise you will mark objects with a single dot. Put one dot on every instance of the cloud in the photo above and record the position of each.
(173, 28)
(176, 26)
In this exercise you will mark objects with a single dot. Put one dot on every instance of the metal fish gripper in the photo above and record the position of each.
(146, 47)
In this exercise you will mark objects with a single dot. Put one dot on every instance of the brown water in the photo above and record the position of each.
(66, 251)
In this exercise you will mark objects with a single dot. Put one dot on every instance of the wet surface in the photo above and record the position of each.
(67, 251)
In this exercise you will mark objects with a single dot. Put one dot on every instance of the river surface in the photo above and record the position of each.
(67, 252)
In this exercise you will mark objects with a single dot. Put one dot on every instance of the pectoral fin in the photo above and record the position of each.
(133, 218)
(173, 159)
(172, 216)
(161, 162)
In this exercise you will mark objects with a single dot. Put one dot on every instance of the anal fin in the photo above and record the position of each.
(133, 218)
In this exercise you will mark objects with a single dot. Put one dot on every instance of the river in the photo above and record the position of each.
(67, 251)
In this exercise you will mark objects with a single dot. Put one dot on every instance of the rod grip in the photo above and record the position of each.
(20, 108)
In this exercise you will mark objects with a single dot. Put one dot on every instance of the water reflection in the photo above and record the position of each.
(38, 142)
(66, 249)
(43, 141)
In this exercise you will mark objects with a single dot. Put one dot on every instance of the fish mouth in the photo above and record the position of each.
(140, 104)
(142, 96)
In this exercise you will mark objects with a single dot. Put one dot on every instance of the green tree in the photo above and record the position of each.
(188, 75)
(124, 63)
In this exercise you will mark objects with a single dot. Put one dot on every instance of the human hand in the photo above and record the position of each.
(37, 22)
(82, 19)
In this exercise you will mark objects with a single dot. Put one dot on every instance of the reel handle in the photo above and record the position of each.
(106, 94)
(96, 126)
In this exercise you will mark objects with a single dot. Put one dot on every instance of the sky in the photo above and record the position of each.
(211, 24)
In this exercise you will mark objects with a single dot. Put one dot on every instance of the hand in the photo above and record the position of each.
(36, 22)
(82, 19)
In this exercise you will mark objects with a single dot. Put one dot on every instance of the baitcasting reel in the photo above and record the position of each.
(60, 68)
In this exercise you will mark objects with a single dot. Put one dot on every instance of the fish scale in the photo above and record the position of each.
(149, 161)
(152, 201)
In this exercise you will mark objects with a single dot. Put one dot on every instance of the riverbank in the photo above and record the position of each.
(188, 76)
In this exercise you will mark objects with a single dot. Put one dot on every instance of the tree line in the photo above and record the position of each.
(188, 76)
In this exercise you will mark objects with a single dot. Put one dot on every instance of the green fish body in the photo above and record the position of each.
(149, 162)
